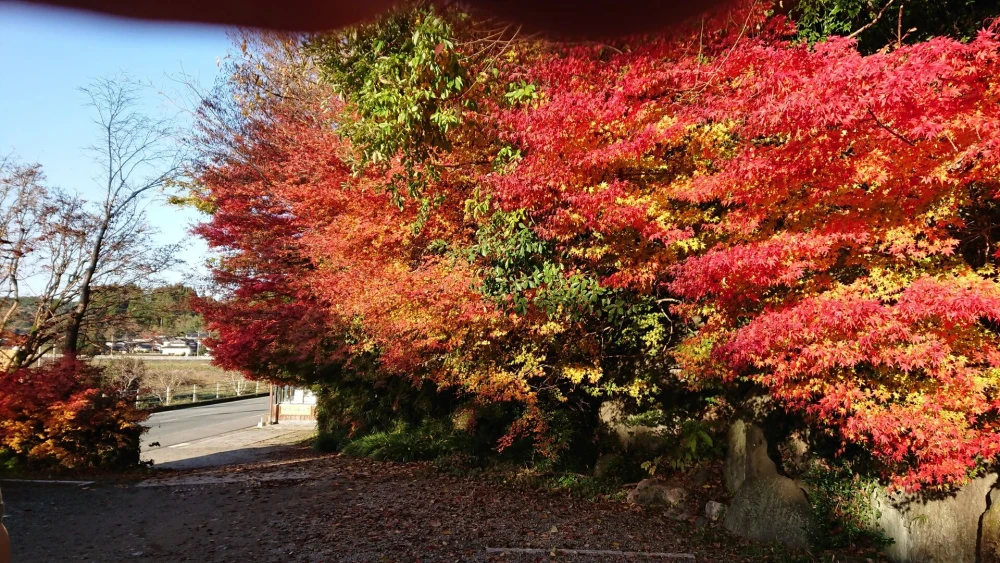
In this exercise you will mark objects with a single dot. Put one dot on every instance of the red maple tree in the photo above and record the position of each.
(823, 218)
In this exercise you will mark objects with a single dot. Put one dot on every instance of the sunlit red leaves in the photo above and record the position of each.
(804, 202)
(771, 185)
(741, 274)
(62, 415)
(310, 248)
(860, 363)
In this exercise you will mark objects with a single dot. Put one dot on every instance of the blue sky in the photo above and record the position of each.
(45, 55)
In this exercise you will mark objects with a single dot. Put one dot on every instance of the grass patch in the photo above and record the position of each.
(171, 382)
(585, 487)
(428, 441)
(196, 372)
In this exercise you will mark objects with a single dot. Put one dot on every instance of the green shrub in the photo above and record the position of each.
(350, 406)
(621, 467)
(677, 439)
(585, 486)
(689, 445)
(841, 500)
(430, 440)
(8, 461)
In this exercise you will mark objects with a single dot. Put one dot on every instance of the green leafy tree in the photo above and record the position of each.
(402, 77)
(881, 23)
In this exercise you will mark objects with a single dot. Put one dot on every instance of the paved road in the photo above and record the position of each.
(182, 426)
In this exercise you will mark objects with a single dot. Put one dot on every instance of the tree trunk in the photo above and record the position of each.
(29, 351)
(23, 351)
(71, 342)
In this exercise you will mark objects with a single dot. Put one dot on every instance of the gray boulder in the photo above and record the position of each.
(945, 530)
(989, 545)
(701, 477)
(963, 527)
(612, 415)
(767, 507)
(770, 510)
(606, 465)
(714, 510)
(735, 469)
(653, 492)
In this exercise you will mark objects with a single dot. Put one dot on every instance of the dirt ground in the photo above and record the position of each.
(300, 506)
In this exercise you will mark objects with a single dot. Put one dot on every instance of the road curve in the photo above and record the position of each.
(181, 426)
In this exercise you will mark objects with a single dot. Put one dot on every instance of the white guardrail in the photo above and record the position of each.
(194, 393)
(153, 357)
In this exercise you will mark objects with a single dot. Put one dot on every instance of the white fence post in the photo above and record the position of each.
(216, 389)
(256, 390)
(194, 393)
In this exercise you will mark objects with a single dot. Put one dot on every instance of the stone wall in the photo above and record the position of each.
(612, 415)
(768, 506)
(945, 530)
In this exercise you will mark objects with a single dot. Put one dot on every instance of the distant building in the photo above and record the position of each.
(180, 348)
(289, 403)
(190, 345)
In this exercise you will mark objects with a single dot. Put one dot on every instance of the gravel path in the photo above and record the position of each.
(306, 507)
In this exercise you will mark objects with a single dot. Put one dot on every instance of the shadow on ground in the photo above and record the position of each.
(301, 506)
(240, 446)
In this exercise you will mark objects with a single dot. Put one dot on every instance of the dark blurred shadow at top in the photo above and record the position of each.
(587, 19)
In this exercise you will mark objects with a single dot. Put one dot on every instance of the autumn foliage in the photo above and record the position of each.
(63, 415)
(560, 225)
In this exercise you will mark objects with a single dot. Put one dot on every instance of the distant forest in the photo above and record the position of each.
(120, 312)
